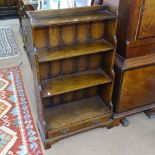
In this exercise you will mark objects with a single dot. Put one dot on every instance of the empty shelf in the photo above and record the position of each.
(74, 112)
(71, 51)
(74, 82)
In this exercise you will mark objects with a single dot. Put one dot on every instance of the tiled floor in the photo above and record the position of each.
(137, 139)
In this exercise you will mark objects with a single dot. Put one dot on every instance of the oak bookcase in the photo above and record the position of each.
(72, 55)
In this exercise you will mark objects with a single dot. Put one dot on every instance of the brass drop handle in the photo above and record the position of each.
(64, 130)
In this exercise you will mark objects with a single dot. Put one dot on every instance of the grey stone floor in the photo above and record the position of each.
(137, 139)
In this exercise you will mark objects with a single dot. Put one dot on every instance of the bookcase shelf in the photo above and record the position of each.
(74, 51)
(73, 112)
(74, 82)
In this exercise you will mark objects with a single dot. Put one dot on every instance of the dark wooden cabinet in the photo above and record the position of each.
(8, 7)
(134, 88)
(72, 55)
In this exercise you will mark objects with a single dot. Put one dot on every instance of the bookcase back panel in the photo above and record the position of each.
(54, 36)
(45, 70)
(41, 37)
(97, 30)
(107, 63)
(55, 68)
(75, 65)
(81, 64)
(67, 34)
(82, 32)
(71, 34)
(67, 66)
(105, 92)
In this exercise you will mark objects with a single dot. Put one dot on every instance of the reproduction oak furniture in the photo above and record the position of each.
(8, 7)
(72, 54)
(134, 88)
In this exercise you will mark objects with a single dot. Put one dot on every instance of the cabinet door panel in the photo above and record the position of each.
(138, 88)
(147, 23)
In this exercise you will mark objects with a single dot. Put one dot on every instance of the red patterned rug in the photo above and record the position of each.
(18, 135)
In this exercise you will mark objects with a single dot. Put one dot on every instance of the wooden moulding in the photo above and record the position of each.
(132, 63)
(134, 111)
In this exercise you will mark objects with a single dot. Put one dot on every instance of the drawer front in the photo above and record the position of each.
(79, 127)
(138, 88)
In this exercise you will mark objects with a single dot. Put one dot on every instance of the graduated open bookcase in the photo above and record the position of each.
(72, 55)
